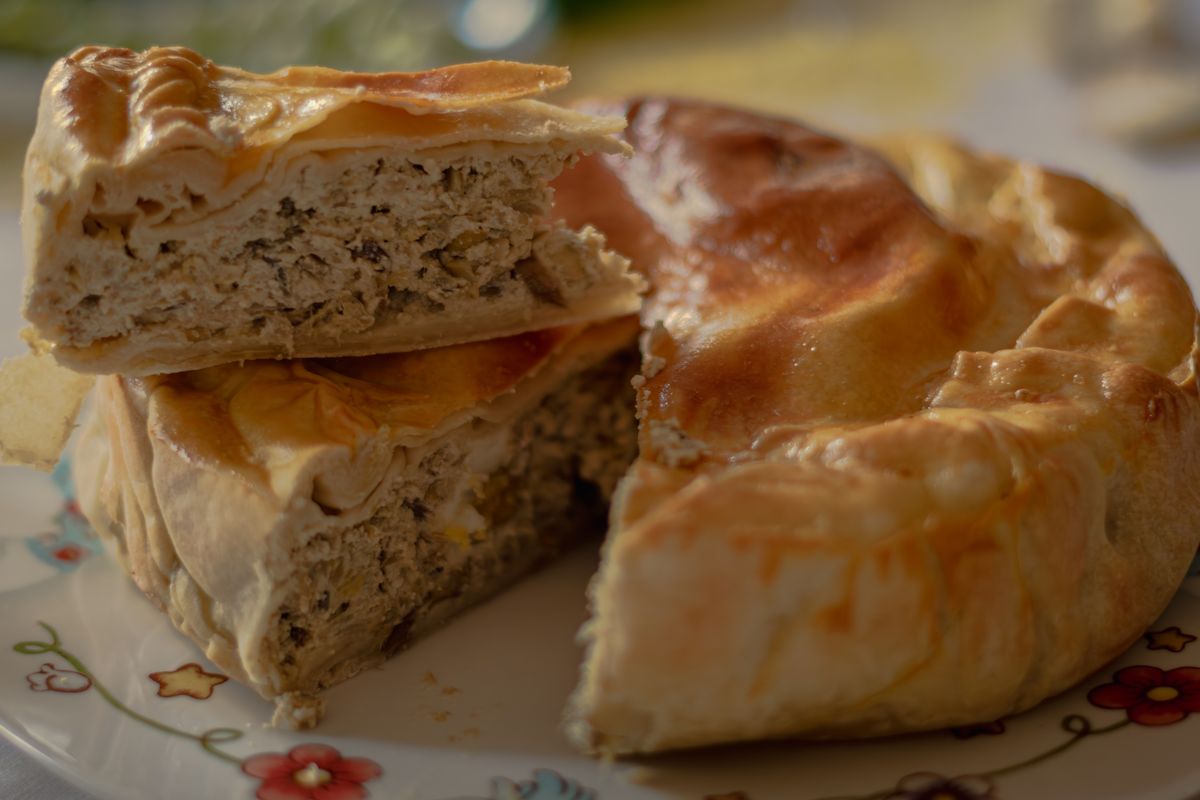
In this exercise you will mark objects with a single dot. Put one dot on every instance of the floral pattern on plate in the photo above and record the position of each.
(310, 772)
(61, 547)
(1170, 638)
(931, 786)
(55, 679)
(1149, 695)
(190, 680)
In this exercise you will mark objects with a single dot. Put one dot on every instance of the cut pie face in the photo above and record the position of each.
(178, 214)
(303, 520)
(917, 435)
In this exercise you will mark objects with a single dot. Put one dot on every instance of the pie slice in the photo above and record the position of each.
(303, 520)
(917, 437)
(178, 214)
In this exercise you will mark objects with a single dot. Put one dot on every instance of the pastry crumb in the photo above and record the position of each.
(466, 734)
(297, 711)
(674, 447)
(653, 365)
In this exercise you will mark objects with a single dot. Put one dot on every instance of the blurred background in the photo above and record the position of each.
(1101, 86)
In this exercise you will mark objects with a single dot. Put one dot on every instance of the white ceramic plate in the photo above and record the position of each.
(473, 711)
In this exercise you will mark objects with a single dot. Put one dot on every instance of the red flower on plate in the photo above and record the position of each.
(310, 772)
(69, 553)
(1150, 696)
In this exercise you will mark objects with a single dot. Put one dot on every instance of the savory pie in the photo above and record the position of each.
(302, 520)
(178, 214)
(917, 435)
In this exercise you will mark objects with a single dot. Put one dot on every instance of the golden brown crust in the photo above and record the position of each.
(124, 105)
(227, 417)
(911, 432)
(246, 419)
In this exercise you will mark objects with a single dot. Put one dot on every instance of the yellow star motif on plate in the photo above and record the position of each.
(190, 680)
(1170, 638)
